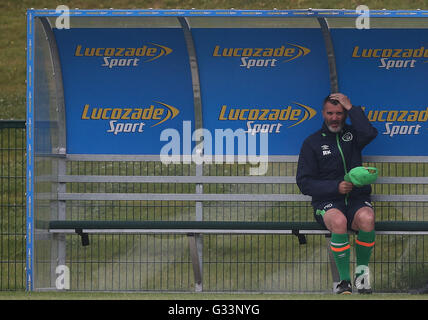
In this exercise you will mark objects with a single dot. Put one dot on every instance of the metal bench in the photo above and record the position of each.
(194, 229)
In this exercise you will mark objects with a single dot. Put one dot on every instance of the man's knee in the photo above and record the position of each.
(364, 219)
(335, 221)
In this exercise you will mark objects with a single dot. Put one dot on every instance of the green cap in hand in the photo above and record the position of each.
(361, 176)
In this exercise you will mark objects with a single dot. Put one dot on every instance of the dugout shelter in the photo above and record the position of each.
(113, 95)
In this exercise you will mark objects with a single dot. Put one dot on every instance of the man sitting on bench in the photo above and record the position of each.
(325, 159)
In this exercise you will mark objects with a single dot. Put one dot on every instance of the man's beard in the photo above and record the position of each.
(336, 129)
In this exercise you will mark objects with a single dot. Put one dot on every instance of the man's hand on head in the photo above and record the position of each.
(343, 100)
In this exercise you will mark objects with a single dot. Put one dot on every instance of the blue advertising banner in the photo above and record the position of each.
(129, 91)
(262, 80)
(386, 72)
(123, 87)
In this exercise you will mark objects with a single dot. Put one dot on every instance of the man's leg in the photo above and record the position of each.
(336, 222)
(363, 222)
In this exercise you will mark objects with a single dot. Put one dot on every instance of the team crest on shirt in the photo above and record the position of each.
(347, 137)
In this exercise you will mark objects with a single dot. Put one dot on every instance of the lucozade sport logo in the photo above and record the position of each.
(393, 58)
(399, 122)
(123, 57)
(250, 57)
(256, 117)
(128, 119)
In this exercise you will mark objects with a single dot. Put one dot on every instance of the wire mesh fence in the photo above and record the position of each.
(12, 205)
(230, 263)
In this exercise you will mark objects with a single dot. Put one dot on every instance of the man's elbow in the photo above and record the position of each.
(373, 134)
(367, 137)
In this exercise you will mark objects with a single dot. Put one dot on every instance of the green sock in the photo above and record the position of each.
(341, 248)
(364, 247)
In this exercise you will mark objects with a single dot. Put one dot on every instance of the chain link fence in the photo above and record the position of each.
(12, 205)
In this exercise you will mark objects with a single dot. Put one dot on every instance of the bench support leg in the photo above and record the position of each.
(194, 254)
(57, 256)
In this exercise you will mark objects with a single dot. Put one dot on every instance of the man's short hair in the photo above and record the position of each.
(328, 99)
(335, 102)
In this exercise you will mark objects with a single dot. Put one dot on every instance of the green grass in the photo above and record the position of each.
(20, 295)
